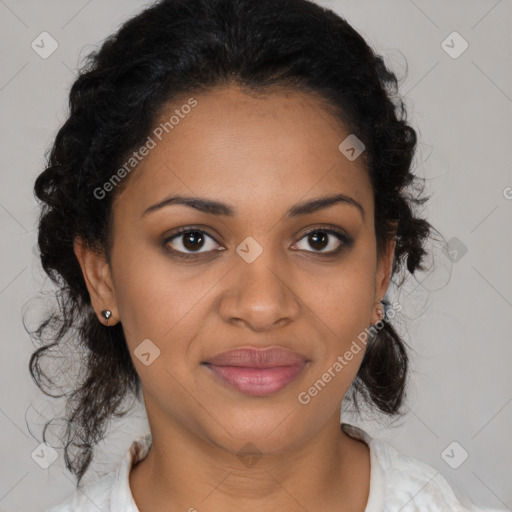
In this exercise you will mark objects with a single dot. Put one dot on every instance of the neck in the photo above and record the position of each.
(329, 472)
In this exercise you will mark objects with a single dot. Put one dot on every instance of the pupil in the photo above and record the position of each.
(318, 237)
(192, 238)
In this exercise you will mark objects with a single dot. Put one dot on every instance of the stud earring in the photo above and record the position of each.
(380, 313)
(106, 314)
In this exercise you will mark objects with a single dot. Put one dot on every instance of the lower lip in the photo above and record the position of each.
(257, 381)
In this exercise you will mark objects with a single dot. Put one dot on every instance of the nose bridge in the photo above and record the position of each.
(260, 294)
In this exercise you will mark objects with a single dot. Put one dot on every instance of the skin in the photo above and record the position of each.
(260, 155)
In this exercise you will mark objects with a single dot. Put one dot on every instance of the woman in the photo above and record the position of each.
(224, 211)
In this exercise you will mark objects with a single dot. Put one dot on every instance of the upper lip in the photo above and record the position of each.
(258, 358)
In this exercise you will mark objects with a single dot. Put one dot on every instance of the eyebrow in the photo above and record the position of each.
(217, 208)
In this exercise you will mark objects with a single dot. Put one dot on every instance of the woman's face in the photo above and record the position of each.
(256, 279)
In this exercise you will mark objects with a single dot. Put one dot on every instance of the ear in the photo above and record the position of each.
(98, 279)
(383, 275)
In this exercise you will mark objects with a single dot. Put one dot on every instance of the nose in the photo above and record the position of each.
(260, 294)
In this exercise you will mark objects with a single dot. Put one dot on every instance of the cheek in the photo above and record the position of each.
(157, 299)
(344, 303)
(344, 297)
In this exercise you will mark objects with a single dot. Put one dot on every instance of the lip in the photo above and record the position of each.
(257, 372)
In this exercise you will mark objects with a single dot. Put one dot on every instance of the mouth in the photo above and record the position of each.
(257, 372)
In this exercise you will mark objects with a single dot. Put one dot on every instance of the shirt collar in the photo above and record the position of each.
(121, 498)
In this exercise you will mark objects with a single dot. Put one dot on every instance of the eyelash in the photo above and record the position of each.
(346, 241)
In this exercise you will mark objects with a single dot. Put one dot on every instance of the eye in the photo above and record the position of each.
(325, 240)
(187, 242)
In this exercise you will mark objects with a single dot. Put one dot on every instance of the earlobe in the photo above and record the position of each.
(97, 277)
(383, 277)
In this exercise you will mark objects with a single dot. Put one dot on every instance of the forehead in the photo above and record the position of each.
(253, 150)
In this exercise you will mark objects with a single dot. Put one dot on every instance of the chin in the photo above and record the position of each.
(271, 431)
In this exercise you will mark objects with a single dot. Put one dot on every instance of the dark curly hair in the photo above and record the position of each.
(171, 49)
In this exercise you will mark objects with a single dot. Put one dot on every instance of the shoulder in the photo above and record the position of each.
(90, 498)
(110, 493)
(401, 482)
(413, 484)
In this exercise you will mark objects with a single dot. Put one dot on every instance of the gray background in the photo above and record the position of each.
(457, 317)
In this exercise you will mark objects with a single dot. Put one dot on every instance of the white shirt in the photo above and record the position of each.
(398, 483)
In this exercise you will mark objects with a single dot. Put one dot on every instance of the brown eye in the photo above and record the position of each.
(190, 241)
(319, 240)
(325, 241)
(193, 240)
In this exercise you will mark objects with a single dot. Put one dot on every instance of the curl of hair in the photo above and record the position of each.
(170, 50)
